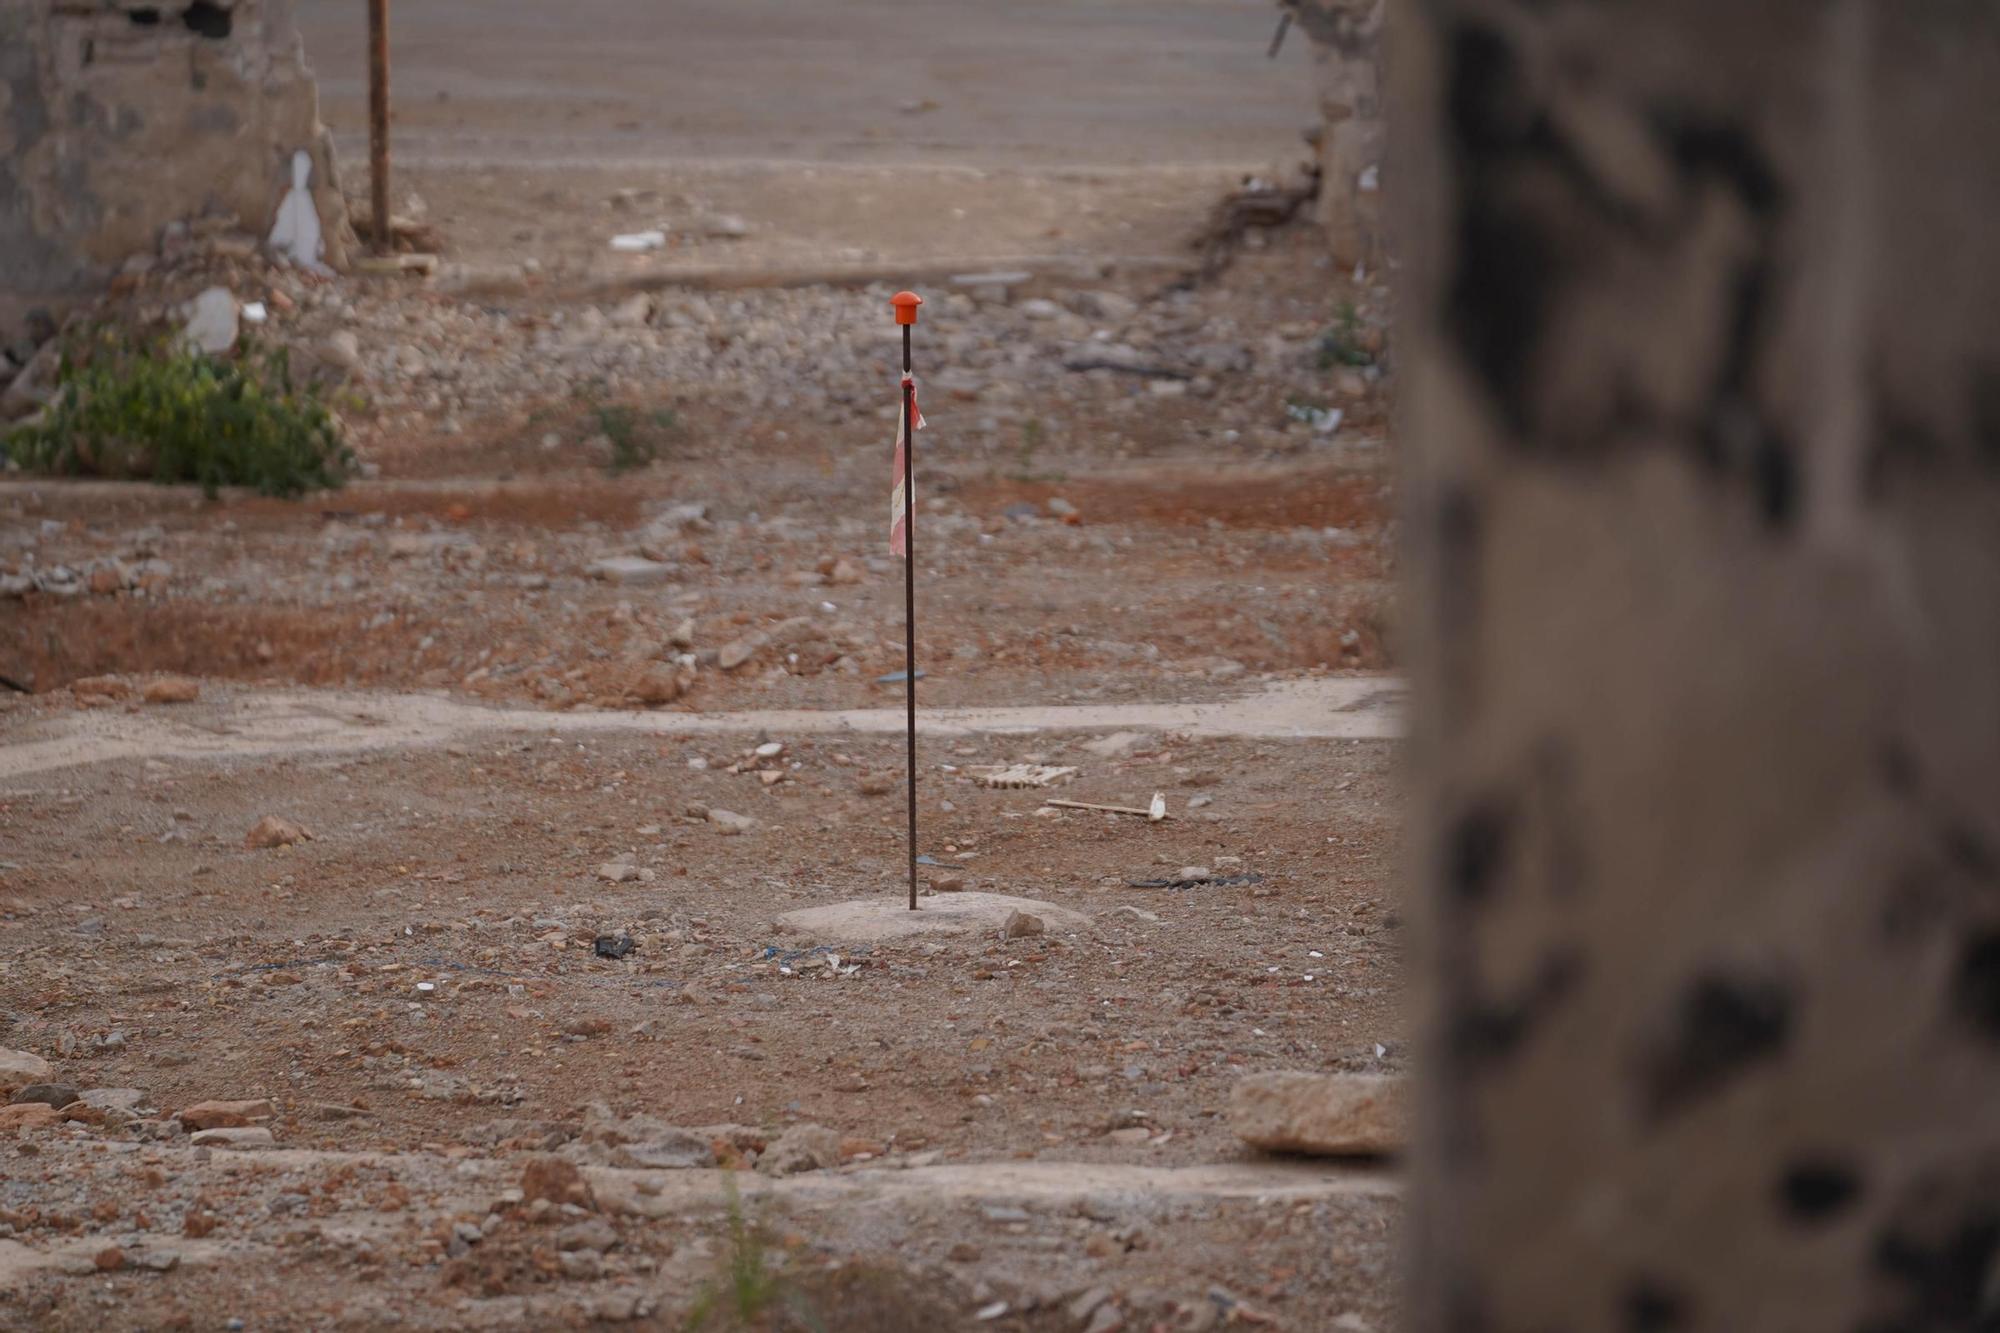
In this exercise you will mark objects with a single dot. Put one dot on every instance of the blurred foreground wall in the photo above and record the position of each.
(1703, 403)
(118, 117)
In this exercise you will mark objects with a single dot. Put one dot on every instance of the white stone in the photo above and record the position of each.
(212, 325)
(631, 571)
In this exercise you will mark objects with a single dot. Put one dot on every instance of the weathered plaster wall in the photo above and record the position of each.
(1703, 385)
(117, 117)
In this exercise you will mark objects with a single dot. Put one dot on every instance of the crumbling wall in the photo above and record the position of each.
(1347, 38)
(117, 117)
(1703, 388)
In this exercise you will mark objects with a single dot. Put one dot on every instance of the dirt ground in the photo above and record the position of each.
(515, 694)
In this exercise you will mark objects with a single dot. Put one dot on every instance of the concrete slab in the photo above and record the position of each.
(872, 920)
(235, 723)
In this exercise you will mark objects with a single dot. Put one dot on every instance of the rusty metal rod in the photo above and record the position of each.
(910, 594)
(378, 121)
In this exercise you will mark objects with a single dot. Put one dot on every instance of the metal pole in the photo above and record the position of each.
(910, 594)
(378, 120)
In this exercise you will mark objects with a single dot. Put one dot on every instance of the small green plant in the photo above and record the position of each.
(637, 437)
(167, 412)
(1341, 344)
(747, 1288)
(1033, 436)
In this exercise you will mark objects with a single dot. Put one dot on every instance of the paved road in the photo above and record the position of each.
(1000, 82)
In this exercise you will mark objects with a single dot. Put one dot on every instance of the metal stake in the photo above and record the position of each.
(910, 594)
(378, 121)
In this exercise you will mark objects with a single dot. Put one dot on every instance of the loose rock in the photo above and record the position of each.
(172, 690)
(1021, 924)
(20, 1068)
(801, 1148)
(275, 831)
(226, 1115)
(249, 1137)
(557, 1181)
(1330, 1115)
(28, 1115)
(729, 823)
(54, 1095)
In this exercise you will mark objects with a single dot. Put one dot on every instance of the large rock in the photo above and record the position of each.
(55, 1096)
(28, 1115)
(227, 1115)
(19, 1068)
(641, 1142)
(801, 1148)
(1324, 1115)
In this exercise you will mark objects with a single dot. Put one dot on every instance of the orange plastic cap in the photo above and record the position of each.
(906, 304)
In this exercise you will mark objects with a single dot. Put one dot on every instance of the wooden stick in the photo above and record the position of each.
(1107, 809)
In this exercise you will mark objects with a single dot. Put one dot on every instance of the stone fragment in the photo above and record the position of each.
(632, 571)
(28, 1115)
(739, 651)
(556, 1180)
(729, 823)
(227, 1115)
(99, 687)
(172, 690)
(660, 683)
(112, 1099)
(801, 1148)
(1020, 925)
(54, 1095)
(618, 872)
(275, 831)
(343, 351)
(20, 1068)
(255, 1136)
(593, 1233)
(632, 312)
(1328, 1115)
(1108, 1319)
(643, 1142)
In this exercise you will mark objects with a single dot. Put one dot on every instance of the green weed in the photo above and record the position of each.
(1341, 344)
(167, 412)
(749, 1289)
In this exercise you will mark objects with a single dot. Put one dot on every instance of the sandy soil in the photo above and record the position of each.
(1161, 574)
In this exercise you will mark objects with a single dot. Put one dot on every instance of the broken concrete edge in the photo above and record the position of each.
(886, 918)
(715, 278)
(706, 1192)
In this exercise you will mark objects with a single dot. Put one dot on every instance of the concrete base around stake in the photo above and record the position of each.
(869, 920)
